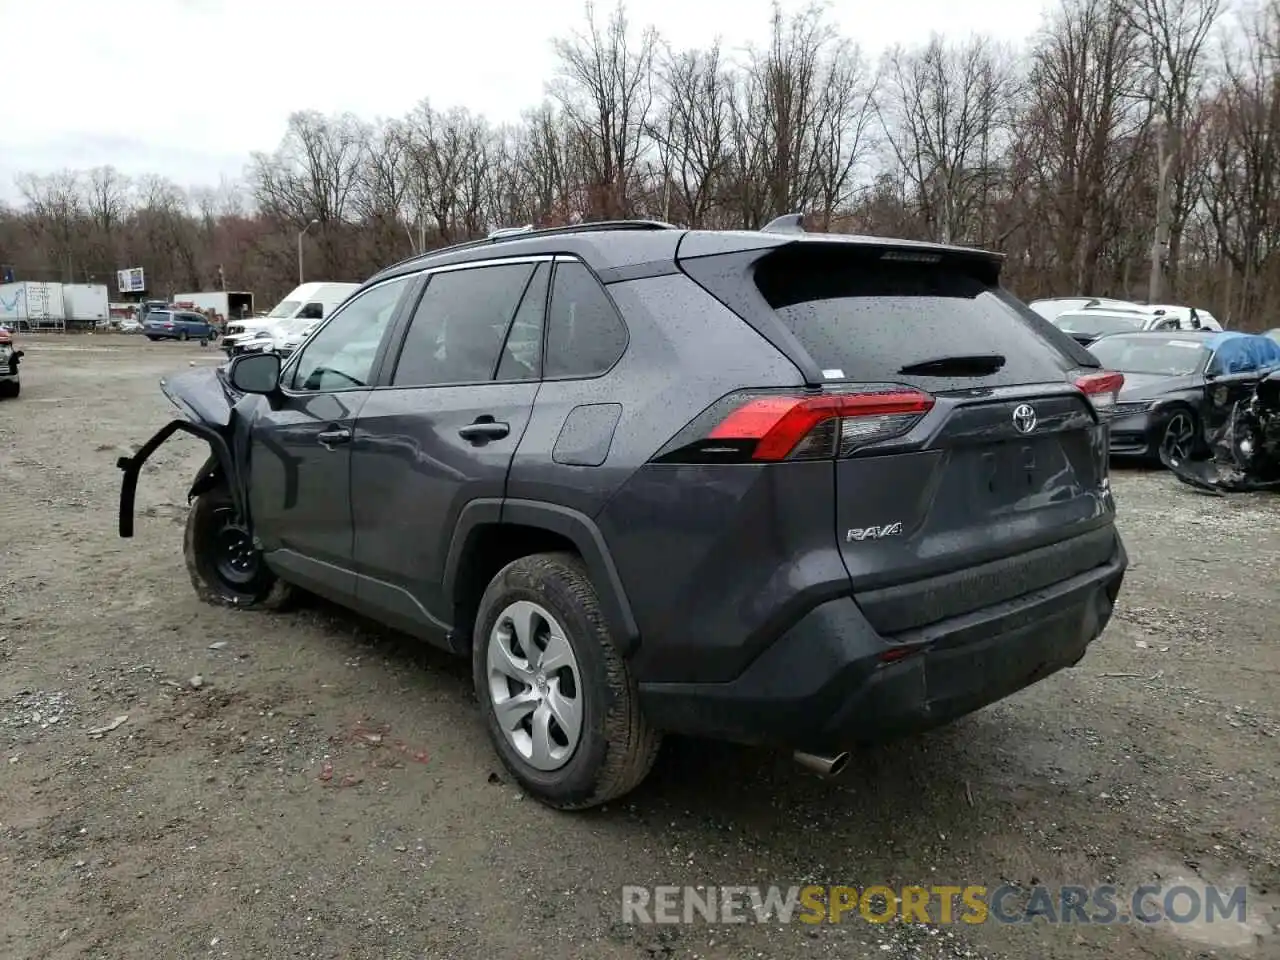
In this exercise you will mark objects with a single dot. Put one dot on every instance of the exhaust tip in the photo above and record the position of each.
(824, 765)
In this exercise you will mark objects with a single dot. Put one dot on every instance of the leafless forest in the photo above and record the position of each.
(1130, 147)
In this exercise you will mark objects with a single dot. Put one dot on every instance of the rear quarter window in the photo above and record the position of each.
(585, 334)
(864, 319)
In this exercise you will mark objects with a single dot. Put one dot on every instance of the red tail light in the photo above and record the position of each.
(770, 427)
(1103, 390)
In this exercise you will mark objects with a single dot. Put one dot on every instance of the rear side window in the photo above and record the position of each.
(585, 334)
(866, 319)
(522, 353)
(457, 331)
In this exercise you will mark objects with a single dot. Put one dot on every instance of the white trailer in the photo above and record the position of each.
(30, 306)
(227, 305)
(86, 304)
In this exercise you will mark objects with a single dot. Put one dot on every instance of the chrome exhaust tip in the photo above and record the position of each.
(822, 764)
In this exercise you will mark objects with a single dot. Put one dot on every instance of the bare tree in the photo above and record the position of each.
(56, 205)
(947, 117)
(315, 172)
(605, 91)
(692, 131)
(1114, 136)
(1083, 132)
(1243, 186)
(1175, 32)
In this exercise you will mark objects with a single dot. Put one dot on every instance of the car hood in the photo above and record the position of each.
(203, 395)
(1149, 386)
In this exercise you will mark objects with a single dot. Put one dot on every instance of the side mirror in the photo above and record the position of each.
(255, 373)
(19, 354)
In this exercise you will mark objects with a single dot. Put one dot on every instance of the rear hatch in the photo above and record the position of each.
(967, 434)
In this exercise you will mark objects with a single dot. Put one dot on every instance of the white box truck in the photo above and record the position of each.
(86, 304)
(28, 305)
(226, 305)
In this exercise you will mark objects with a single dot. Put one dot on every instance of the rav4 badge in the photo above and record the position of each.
(874, 533)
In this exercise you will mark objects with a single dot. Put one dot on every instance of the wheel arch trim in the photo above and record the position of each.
(574, 526)
(131, 467)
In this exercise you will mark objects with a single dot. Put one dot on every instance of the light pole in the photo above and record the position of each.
(302, 233)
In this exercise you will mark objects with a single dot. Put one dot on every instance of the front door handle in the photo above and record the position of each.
(329, 437)
(484, 430)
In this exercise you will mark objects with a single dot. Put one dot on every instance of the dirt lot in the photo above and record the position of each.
(326, 789)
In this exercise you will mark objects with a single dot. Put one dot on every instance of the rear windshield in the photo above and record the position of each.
(1143, 353)
(865, 319)
(1098, 323)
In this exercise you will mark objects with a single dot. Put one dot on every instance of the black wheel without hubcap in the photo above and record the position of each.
(560, 705)
(10, 388)
(224, 565)
(1179, 437)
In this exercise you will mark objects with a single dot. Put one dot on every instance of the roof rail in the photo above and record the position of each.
(529, 230)
(509, 231)
(787, 223)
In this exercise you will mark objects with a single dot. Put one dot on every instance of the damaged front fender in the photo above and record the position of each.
(1245, 443)
(207, 403)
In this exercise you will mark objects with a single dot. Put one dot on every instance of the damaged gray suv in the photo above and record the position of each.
(770, 486)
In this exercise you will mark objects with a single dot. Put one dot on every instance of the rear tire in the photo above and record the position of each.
(550, 599)
(225, 568)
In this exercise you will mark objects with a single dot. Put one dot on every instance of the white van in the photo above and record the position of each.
(304, 306)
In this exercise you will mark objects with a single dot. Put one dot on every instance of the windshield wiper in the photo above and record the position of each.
(963, 365)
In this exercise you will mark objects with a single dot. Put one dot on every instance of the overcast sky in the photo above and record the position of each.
(188, 88)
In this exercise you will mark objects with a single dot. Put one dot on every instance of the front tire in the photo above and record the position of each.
(1180, 436)
(560, 705)
(225, 568)
(10, 389)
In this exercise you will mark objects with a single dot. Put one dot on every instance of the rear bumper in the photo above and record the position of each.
(825, 685)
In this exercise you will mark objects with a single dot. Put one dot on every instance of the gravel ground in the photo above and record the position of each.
(307, 785)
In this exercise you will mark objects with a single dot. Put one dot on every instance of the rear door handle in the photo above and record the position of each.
(329, 437)
(482, 431)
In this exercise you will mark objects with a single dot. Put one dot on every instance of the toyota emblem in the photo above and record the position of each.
(1024, 418)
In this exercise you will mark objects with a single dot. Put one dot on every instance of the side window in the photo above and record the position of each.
(341, 355)
(522, 353)
(585, 335)
(311, 311)
(457, 331)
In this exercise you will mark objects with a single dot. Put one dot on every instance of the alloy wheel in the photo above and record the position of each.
(1179, 437)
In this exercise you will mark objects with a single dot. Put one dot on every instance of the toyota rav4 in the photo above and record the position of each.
(767, 486)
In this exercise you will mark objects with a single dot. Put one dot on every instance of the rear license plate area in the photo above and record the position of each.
(1006, 473)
